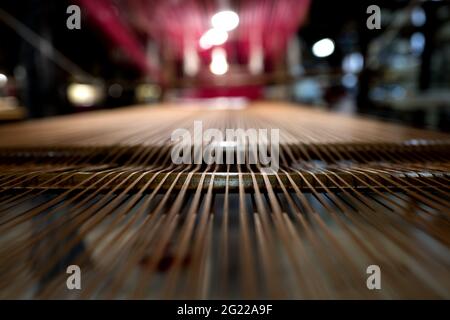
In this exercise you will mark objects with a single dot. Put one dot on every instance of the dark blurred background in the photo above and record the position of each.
(319, 52)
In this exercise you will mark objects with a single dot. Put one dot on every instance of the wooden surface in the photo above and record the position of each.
(152, 125)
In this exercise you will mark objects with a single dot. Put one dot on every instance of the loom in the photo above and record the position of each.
(100, 191)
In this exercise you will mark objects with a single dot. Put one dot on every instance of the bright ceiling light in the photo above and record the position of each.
(3, 79)
(213, 37)
(353, 62)
(83, 95)
(418, 17)
(417, 43)
(225, 20)
(219, 64)
(323, 48)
